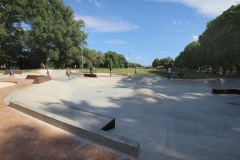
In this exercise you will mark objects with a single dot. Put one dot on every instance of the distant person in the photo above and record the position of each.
(42, 66)
(48, 73)
(169, 72)
(110, 70)
(11, 72)
(136, 70)
(91, 69)
(68, 73)
(164, 72)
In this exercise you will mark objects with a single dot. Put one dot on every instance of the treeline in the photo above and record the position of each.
(218, 47)
(163, 63)
(105, 60)
(45, 31)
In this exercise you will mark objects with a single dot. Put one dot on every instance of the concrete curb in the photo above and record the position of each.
(119, 143)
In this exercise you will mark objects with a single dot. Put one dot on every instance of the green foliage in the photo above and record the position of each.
(45, 31)
(52, 34)
(164, 62)
(114, 60)
(218, 47)
(11, 16)
(189, 57)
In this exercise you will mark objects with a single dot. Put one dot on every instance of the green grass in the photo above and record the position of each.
(125, 71)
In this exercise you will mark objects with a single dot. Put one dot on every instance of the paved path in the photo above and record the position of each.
(23, 137)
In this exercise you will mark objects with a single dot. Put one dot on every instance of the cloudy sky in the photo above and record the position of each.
(143, 30)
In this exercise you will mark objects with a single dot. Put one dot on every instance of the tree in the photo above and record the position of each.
(57, 35)
(220, 42)
(117, 60)
(51, 35)
(11, 32)
(155, 63)
(189, 58)
(218, 46)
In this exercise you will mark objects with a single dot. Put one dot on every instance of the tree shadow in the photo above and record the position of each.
(177, 118)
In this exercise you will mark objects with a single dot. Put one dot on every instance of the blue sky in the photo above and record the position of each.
(143, 30)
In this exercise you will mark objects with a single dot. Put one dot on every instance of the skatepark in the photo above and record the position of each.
(172, 119)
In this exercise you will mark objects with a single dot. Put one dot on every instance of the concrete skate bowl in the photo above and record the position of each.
(51, 107)
(225, 86)
(6, 84)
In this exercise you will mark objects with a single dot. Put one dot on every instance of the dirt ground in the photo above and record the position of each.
(23, 137)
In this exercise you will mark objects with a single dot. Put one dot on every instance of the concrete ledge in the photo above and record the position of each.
(39, 78)
(15, 72)
(225, 91)
(90, 75)
(34, 76)
(42, 79)
(101, 137)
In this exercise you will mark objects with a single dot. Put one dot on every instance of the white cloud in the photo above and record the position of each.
(140, 58)
(103, 25)
(95, 2)
(163, 52)
(195, 38)
(175, 22)
(206, 7)
(115, 42)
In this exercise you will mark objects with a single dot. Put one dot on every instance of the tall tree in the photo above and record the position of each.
(220, 42)
(218, 47)
(11, 32)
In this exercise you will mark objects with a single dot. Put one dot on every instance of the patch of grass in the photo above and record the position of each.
(130, 71)
(156, 72)
(28, 70)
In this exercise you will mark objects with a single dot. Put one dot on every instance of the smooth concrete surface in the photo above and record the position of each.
(6, 84)
(171, 119)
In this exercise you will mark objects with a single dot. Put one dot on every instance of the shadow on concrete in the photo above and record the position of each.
(175, 119)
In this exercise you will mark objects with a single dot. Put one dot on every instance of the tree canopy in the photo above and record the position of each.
(45, 31)
(218, 47)
(163, 62)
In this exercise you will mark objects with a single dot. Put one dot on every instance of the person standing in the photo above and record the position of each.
(110, 70)
(91, 70)
(11, 72)
(169, 72)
